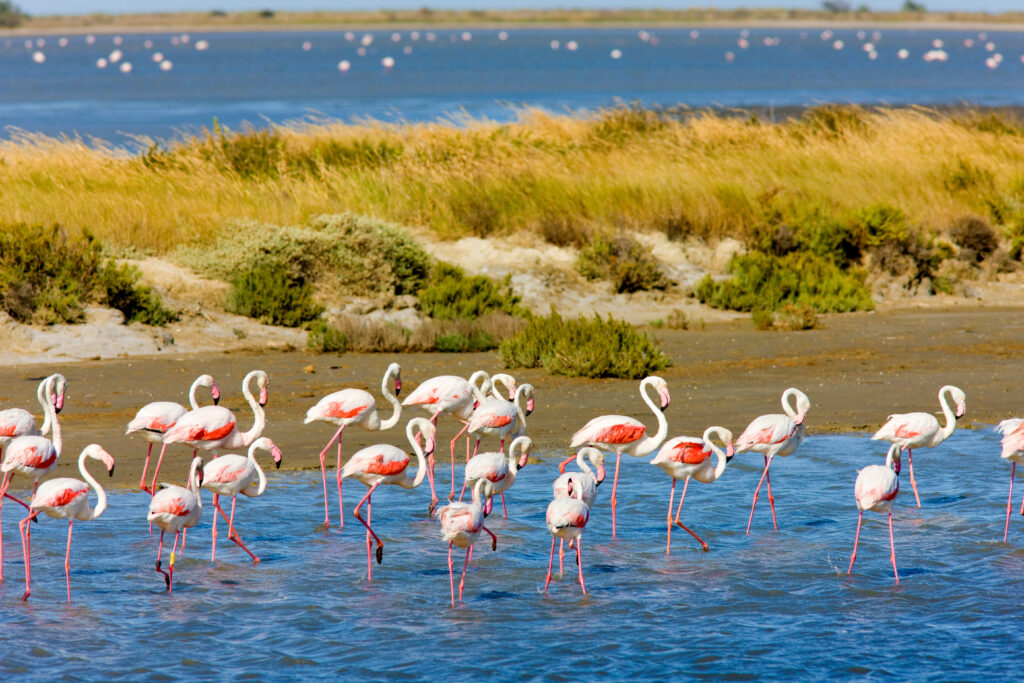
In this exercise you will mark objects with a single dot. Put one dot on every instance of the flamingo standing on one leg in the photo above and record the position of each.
(566, 518)
(211, 428)
(354, 406)
(232, 474)
(175, 508)
(921, 430)
(876, 489)
(498, 473)
(386, 464)
(585, 479)
(154, 419)
(773, 435)
(455, 395)
(32, 456)
(65, 498)
(1013, 450)
(15, 422)
(461, 523)
(686, 457)
(621, 434)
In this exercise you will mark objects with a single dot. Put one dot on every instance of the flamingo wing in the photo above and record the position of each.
(227, 469)
(439, 392)
(765, 431)
(683, 449)
(158, 416)
(344, 405)
(908, 428)
(17, 422)
(490, 466)
(209, 423)
(875, 484)
(381, 459)
(175, 501)
(566, 512)
(611, 430)
(57, 493)
(30, 453)
(493, 414)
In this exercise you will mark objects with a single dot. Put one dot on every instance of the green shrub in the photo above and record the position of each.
(624, 261)
(452, 295)
(793, 318)
(326, 339)
(584, 347)
(137, 302)
(272, 294)
(975, 237)
(763, 318)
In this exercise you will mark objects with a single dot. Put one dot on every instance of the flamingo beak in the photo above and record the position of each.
(263, 396)
(600, 473)
(429, 447)
(58, 405)
(730, 451)
(215, 393)
(896, 465)
(276, 452)
(665, 399)
(398, 386)
(524, 460)
(961, 409)
(529, 405)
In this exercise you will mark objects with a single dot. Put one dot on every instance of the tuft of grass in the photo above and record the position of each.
(353, 333)
(624, 261)
(795, 318)
(273, 294)
(451, 294)
(584, 347)
(975, 237)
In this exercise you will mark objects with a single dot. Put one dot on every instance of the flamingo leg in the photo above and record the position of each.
(551, 560)
(156, 472)
(462, 492)
(1009, 501)
(462, 431)
(561, 465)
(860, 518)
(476, 449)
(159, 552)
(380, 544)
(615, 487)
(892, 546)
(913, 484)
(174, 552)
(67, 560)
(145, 468)
(323, 476)
(579, 563)
(494, 539)
(8, 476)
(703, 545)
(26, 547)
(561, 556)
(462, 581)
(213, 543)
(771, 498)
(232, 532)
(767, 463)
(337, 475)
(668, 533)
(504, 510)
(451, 573)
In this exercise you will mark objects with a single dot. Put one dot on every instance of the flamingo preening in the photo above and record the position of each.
(876, 489)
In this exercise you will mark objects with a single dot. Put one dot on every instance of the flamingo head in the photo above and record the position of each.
(961, 401)
(730, 450)
(894, 453)
(663, 397)
(265, 444)
(398, 385)
(527, 391)
(94, 450)
(427, 432)
(263, 383)
(198, 463)
(524, 459)
(214, 392)
(600, 470)
(60, 387)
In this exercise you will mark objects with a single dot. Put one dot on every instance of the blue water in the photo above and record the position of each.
(267, 76)
(767, 606)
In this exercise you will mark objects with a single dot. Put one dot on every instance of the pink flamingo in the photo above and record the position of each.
(921, 430)
(501, 418)
(232, 474)
(773, 435)
(461, 523)
(175, 508)
(498, 474)
(15, 422)
(32, 456)
(566, 518)
(386, 464)
(876, 489)
(621, 434)
(154, 419)
(686, 457)
(211, 428)
(585, 479)
(354, 406)
(1013, 450)
(65, 498)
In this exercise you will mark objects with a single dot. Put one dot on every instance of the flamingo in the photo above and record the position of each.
(566, 518)
(66, 498)
(501, 418)
(1013, 450)
(585, 479)
(621, 434)
(455, 395)
(211, 428)
(498, 473)
(354, 406)
(154, 419)
(33, 456)
(232, 474)
(386, 464)
(175, 508)
(773, 435)
(921, 430)
(461, 523)
(876, 489)
(686, 457)
(15, 422)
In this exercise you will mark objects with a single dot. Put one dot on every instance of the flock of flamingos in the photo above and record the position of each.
(490, 406)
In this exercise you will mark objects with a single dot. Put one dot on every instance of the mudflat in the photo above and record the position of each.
(856, 369)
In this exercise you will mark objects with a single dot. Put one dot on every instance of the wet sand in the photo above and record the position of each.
(856, 370)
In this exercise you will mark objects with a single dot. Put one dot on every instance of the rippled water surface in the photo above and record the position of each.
(765, 606)
(268, 75)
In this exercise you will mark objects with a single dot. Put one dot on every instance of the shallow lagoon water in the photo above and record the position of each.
(764, 606)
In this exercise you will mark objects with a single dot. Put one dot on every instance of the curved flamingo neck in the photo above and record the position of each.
(518, 444)
(192, 394)
(720, 459)
(518, 403)
(192, 485)
(101, 495)
(421, 460)
(392, 399)
(480, 385)
(947, 411)
(478, 493)
(51, 415)
(259, 418)
(259, 471)
(43, 393)
(649, 444)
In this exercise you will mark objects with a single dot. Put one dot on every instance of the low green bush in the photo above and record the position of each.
(353, 333)
(624, 261)
(138, 303)
(274, 295)
(584, 347)
(450, 294)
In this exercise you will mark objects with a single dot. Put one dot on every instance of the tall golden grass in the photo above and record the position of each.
(559, 176)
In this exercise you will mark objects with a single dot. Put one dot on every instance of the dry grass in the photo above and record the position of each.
(561, 177)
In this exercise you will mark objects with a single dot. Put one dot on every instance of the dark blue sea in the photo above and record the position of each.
(265, 77)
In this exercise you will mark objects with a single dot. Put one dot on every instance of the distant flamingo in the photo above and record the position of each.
(354, 406)
(566, 518)
(921, 430)
(498, 473)
(585, 480)
(1013, 450)
(15, 422)
(686, 457)
(621, 434)
(32, 456)
(772, 435)
(386, 464)
(461, 523)
(175, 508)
(500, 418)
(232, 474)
(212, 428)
(65, 498)
(154, 419)
(876, 489)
